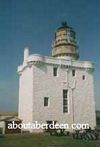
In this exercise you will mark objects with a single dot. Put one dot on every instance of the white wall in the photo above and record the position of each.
(26, 95)
(37, 81)
(46, 85)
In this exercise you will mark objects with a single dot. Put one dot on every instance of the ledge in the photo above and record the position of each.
(38, 59)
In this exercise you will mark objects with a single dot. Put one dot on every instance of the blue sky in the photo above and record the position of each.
(32, 23)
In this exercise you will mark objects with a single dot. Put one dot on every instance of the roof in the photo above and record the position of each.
(64, 26)
(11, 119)
(8, 113)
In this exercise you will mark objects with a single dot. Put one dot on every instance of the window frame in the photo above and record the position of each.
(55, 71)
(65, 101)
(83, 77)
(46, 101)
(73, 72)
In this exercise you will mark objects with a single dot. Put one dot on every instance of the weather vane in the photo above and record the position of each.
(64, 23)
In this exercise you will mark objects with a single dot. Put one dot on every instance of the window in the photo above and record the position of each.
(72, 34)
(46, 101)
(65, 100)
(65, 93)
(73, 72)
(83, 77)
(55, 71)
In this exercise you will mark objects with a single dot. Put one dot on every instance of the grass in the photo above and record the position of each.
(44, 140)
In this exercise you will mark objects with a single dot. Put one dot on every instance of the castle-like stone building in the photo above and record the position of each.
(58, 88)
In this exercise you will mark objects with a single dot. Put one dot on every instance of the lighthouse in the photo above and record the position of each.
(65, 43)
(57, 88)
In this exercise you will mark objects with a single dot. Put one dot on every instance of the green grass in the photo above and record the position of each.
(44, 140)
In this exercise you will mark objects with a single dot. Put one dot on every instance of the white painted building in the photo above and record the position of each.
(58, 88)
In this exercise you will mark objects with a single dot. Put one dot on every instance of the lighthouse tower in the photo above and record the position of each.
(57, 89)
(65, 44)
